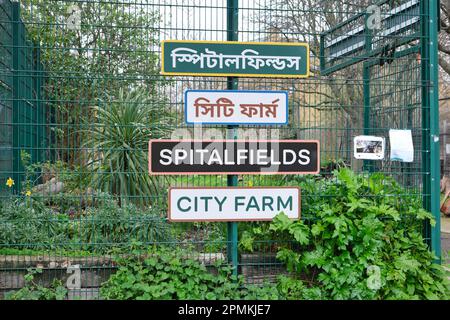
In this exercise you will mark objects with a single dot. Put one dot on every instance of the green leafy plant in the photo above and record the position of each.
(118, 142)
(32, 225)
(34, 291)
(109, 226)
(360, 239)
(41, 179)
(73, 177)
(168, 273)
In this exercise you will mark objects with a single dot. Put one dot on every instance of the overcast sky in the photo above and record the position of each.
(202, 19)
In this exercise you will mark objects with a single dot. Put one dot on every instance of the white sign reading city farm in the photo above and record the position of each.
(232, 204)
(233, 107)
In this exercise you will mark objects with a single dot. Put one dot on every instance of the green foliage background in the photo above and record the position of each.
(352, 225)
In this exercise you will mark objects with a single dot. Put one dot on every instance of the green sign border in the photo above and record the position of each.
(195, 74)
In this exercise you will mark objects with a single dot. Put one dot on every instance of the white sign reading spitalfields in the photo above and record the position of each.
(230, 107)
(233, 204)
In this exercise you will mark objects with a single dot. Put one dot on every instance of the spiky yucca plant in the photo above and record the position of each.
(117, 145)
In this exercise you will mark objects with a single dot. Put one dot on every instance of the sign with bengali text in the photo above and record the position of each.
(235, 59)
(231, 107)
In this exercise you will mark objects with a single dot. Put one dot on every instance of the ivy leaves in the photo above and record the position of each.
(34, 291)
(168, 273)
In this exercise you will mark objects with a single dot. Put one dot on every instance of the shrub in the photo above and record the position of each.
(29, 224)
(168, 273)
(73, 177)
(361, 239)
(34, 291)
(110, 225)
(118, 142)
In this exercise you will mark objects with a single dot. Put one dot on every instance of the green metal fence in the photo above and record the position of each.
(24, 113)
(71, 72)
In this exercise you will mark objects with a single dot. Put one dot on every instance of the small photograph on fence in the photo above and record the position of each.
(369, 147)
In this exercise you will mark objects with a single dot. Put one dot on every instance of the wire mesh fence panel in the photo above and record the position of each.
(82, 94)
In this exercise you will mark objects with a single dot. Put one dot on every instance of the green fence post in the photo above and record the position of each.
(430, 122)
(38, 103)
(433, 92)
(17, 163)
(368, 165)
(32, 72)
(232, 180)
(425, 117)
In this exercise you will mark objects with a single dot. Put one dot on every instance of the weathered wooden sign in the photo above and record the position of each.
(232, 204)
(186, 157)
(233, 58)
(233, 107)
